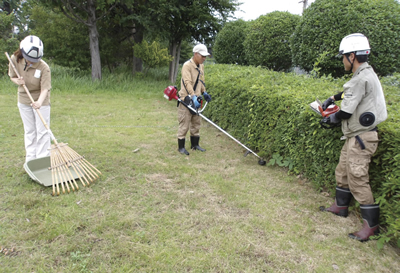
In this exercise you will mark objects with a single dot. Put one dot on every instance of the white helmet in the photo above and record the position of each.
(356, 42)
(32, 48)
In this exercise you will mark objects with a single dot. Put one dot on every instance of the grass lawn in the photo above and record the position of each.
(155, 210)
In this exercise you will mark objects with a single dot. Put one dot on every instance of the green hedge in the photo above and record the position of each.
(325, 23)
(269, 112)
(267, 40)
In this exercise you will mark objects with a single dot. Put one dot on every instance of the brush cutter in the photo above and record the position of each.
(64, 159)
(316, 106)
(170, 93)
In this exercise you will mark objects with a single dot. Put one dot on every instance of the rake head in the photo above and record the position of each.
(64, 162)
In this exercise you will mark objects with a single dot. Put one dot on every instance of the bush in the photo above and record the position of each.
(152, 55)
(326, 22)
(267, 41)
(228, 47)
(269, 112)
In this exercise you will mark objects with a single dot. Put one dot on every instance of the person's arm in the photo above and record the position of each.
(13, 76)
(43, 94)
(338, 96)
(18, 81)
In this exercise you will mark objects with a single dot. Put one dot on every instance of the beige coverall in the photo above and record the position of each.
(362, 94)
(37, 77)
(190, 72)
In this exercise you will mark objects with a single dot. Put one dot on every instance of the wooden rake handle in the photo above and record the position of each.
(32, 100)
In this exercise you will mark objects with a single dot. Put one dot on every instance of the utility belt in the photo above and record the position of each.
(360, 141)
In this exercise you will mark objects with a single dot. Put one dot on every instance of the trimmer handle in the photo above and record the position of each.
(170, 93)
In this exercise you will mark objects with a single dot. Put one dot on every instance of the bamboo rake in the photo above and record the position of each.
(64, 159)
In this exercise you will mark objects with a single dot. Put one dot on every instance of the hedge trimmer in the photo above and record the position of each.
(170, 93)
(316, 106)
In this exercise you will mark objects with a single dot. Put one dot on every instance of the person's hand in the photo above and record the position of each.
(19, 81)
(36, 105)
(207, 97)
(196, 102)
(327, 102)
(333, 119)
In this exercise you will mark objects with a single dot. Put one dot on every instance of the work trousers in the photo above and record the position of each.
(187, 122)
(353, 167)
(37, 139)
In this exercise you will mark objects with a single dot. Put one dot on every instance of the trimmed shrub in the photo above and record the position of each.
(326, 22)
(228, 47)
(267, 40)
(269, 112)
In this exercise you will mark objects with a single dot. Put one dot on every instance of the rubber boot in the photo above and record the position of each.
(341, 205)
(370, 215)
(181, 146)
(195, 143)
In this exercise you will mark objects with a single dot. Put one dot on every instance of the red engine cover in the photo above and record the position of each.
(170, 93)
(333, 108)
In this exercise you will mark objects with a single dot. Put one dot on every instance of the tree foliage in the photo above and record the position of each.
(87, 13)
(8, 43)
(267, 41)
(228, 47)
(179, 20)
(326, 22)
(152, 54)
(65, 43)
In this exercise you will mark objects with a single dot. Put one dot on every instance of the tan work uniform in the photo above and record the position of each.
(190, 72)
(362, 95)
(37, 77)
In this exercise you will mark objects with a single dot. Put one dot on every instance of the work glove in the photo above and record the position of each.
(333, 119)
(196, 101)
(207, 97)
(330, 122)
(327, 102)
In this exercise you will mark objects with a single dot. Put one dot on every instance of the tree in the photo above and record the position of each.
(65, 43)
(267, 40)
(21, 16)
(228, 47)
(326, 22)
(88, 13)
(181, 20)
(8, 43)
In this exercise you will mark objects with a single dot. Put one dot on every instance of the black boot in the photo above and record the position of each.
(370, 215)
(194, 140)
(181, 146)
(341, 205)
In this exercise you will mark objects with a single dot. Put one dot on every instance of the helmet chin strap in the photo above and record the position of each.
(347, 56)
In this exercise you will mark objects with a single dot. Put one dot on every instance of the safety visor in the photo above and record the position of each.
(34, 51)
(340, 54)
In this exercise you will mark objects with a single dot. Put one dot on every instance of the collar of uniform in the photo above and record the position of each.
(34, 65)
(193, 63)
(361, 68)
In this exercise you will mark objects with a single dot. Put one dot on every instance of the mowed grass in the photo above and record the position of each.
(155, 210)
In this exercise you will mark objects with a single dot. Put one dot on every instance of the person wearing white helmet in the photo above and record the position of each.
(363, 107)
(192, 87)
(36, 76)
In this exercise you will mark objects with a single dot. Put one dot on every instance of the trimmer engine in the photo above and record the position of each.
(170, 93)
